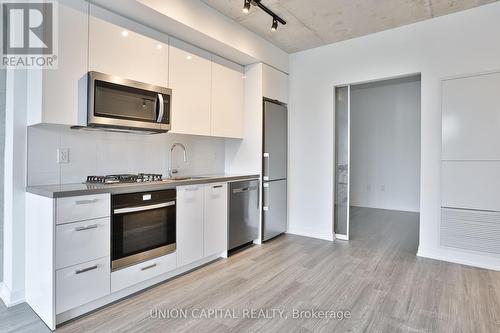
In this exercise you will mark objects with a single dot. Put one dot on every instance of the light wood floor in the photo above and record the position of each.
(376, 276)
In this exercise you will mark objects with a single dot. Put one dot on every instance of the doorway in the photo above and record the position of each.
(377, 155)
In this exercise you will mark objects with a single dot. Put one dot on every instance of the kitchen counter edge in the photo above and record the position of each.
(73, 190)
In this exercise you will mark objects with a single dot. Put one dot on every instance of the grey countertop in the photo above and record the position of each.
(71, 190)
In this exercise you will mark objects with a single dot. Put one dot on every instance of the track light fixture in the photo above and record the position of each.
(258, 3)
(246, 6)
(274, 27)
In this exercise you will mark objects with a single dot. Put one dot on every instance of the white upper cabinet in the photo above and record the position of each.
(116, 49)
(274, 84)
(471, 118)
(58, 96)
(215, 219)
(227, 99)
(190, 80)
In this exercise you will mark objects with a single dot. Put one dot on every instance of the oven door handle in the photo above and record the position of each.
(143, 208)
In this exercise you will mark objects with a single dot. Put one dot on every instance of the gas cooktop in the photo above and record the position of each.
(125, 178)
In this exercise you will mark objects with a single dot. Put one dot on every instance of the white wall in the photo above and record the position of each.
(102, 153)
(385, 144)
(464, 42)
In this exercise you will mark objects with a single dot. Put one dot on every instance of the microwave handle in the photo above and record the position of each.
(162, 108)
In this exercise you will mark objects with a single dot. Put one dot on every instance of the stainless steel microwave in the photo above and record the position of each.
(122, 104)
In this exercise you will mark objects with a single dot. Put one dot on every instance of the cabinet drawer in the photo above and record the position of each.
(129, 276)
(80, 208)
(83, 283)
(82, 241)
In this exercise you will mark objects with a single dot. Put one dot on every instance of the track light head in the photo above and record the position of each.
(274, 27)
(246, 6)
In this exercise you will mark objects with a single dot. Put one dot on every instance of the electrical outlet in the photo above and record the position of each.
(62, 155)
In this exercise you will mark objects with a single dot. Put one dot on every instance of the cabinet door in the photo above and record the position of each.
(189, 224)
(63, 98)
(227, 101)
(116, 50)
(215, 219)
(190, 81)
(274, 84)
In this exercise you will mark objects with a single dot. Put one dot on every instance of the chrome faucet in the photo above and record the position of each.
(171, 171)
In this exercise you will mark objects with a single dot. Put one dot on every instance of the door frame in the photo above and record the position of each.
(343, 84)
(348, 86)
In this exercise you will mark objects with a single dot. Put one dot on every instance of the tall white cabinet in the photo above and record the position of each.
(470, 217)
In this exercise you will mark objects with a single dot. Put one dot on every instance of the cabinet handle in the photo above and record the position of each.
(265, 175)
(265, 195)
(86, 227)
(83, 270)
(86, 202)
(162, 108)
(217, 186)
(148, 267)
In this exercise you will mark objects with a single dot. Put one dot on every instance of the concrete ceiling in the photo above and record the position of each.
(312, 23)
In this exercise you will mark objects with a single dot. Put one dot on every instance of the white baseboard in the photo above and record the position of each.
(11, 298)
(462, 257)
(328, 237)
(341, 237)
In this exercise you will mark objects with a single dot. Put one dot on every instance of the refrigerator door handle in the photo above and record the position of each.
(265, 196)
(266, 167)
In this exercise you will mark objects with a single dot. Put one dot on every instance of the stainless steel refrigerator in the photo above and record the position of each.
(274, 161)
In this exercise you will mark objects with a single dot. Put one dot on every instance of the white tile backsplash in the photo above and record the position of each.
(101, 153)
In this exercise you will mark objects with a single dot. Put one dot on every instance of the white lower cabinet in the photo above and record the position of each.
(201, 222)
(82, 283)
(215, 219)
(85, 207)
(189, 224)
(82, 241)
(129, 276)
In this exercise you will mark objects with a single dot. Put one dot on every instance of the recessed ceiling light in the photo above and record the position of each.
(159, 46)
(188, 57)
(124, 33)
(243, 76)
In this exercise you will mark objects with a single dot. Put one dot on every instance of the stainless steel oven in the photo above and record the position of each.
(143, 226)
(118, 103)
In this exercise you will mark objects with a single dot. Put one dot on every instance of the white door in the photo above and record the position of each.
(189, 224)
(215, 219)
(342, 158)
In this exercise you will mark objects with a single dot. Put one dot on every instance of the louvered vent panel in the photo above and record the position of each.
(471, 230)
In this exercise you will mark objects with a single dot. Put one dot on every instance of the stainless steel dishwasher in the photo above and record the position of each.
(244, 212)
